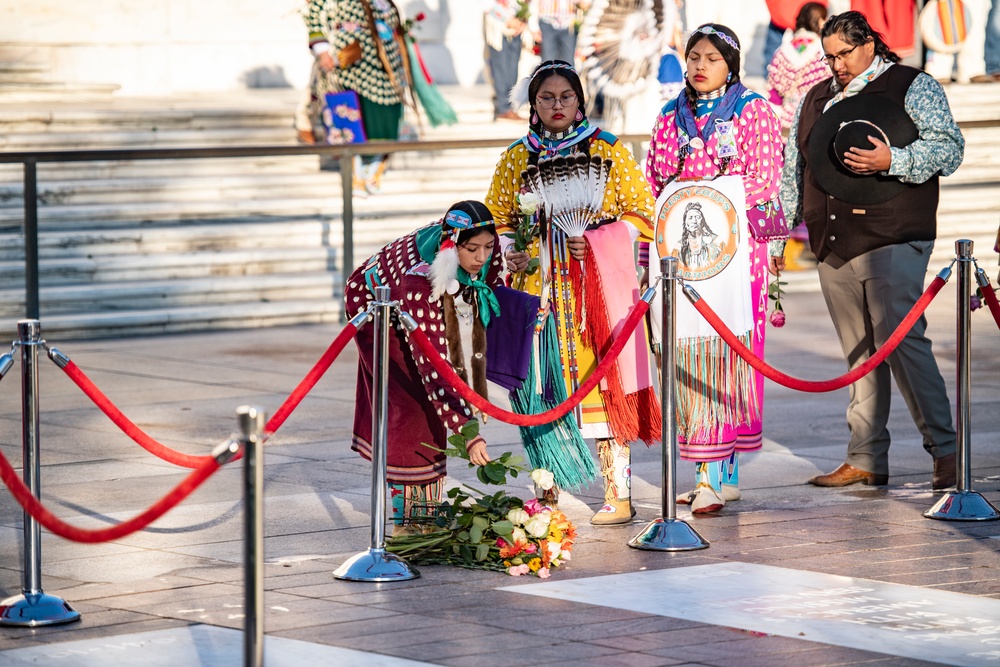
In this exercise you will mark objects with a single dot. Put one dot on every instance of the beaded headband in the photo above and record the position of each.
(518, 96)
(709, 30)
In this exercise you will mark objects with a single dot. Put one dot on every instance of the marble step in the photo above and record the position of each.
(111, 268)
(151, 294)
(153, 321)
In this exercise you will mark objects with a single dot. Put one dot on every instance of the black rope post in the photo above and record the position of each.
(668, 533)
(33, 607)
(377, 564)
(963, 504)
(251, 420)
(31, 299)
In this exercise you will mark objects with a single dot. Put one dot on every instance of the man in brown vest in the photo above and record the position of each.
(861, 168)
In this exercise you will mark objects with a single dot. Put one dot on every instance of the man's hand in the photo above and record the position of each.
(577, 247)
(477, 451)
(870, 161)
(776, 264)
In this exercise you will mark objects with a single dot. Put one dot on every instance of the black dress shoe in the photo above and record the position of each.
(945, 472)
(846, 475)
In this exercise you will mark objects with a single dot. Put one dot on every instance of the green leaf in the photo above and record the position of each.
(482, 552)
(495, 473)
(470, 429)
(456, 440)
(481, 474)
(481, 522)
(476, 534)
(503, 528)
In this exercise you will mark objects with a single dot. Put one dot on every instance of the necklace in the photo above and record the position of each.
(464, 309)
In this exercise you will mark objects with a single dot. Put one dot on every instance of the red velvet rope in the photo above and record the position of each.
(466, 392)
(126, 425)
(991, 300)
(56, 525)
(310, 380)
(836, 383)
(187, 460)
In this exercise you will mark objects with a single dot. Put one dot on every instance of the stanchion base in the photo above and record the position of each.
(375, 565)
(668, 535)
(963, 506)
(36, 609)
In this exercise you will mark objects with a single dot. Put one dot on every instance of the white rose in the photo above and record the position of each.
(518, 535)
(518, 517)
(538, 525)
(528, 202)
(544, 479)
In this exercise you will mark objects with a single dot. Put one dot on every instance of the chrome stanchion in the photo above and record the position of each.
(33, 607)
(377, 564)
(251, 421)
(668, 533)
(963, 504)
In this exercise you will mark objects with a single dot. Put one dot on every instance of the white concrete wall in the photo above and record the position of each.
(167, 46)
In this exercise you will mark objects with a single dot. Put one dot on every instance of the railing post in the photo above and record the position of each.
(33, 607)
(347, 189)
(251, 420)
(31, 301)
(963, 504)
(377, 564)
(668, 533)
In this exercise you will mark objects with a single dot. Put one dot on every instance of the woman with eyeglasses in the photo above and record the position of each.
(717, 129)
(558, 127)
(443, 275)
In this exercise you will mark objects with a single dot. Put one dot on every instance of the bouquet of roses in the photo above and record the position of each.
(496, 531)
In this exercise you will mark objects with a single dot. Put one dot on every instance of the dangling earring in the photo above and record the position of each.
(729, 77)
(579, 115)
(534, 118)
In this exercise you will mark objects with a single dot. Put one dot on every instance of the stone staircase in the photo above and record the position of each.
(150, 247)
(167, 246)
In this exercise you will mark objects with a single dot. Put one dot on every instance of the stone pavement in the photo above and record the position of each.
(185, 572)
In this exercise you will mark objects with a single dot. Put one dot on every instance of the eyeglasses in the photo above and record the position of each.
(842, 56)
(550, 102)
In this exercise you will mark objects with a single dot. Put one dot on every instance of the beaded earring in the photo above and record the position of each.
(534, 118)
(579, 115)
(729, 77)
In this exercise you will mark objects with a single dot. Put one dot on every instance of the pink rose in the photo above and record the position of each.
(518, 570)
(532, 507)
(777, 319)
(975, 303)
(531, 548)
(543, 573)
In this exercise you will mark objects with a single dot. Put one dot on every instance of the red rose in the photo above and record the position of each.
(777, 319)
(420, 17)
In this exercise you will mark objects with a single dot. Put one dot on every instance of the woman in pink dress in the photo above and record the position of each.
(715, 127)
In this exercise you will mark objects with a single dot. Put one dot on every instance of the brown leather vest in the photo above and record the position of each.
(849, 230)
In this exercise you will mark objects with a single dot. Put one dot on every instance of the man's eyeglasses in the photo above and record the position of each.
(842, 56)
(550, 102)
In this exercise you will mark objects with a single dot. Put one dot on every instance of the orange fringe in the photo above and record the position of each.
(633, 416)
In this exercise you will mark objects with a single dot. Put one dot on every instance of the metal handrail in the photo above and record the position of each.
(344, 153)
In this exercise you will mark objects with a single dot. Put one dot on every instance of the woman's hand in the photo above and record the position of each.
(477, 451)
(516, 261)
(326, 61)
(776, 264)
(577, 247)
